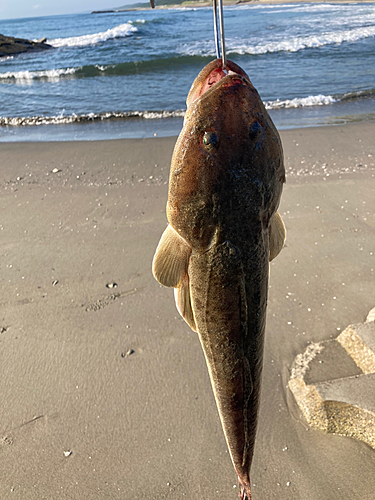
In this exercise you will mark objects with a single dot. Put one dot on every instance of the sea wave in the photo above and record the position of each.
(28, 76)
(22, 121)
(285, 6)
(358, 94)
(120, 31)
(301, 102)
(295, 44)
(310, 7)
(62, 118)
(320, 100)
(293, 7)
(289, 44)
(92, 70)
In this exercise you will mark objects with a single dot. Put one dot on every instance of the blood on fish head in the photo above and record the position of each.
(211, 74)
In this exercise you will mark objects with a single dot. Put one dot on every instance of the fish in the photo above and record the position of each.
(225, 184)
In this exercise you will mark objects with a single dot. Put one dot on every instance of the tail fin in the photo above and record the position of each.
(245, 493)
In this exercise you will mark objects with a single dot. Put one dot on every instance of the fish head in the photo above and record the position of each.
(228, 161)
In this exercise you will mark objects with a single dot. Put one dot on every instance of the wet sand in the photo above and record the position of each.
(104, 389)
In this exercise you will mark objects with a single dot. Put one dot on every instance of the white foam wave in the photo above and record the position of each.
(289, 44)
(204, 48)
(260, 7)
(296, 7)
(288, 7)
(61, 118)
(27, 76)
(120, 31)
(311, 8)
(156, 115)
(186, 9)
(301, 102)
(295, 44)
(102, 67)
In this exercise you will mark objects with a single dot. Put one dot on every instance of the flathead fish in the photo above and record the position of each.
(225, 184)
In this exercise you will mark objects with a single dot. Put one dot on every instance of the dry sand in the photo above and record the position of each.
(104, 391)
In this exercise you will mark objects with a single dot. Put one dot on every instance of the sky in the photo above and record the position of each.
(30, 8)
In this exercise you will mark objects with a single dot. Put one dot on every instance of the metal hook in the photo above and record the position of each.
(216, 34)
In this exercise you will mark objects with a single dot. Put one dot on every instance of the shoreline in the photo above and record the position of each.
(141, 128)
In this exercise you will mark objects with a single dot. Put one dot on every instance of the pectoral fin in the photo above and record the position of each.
(171, 259)
(277, 234)
(170, 268)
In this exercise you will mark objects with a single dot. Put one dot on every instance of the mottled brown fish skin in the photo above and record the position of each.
(217, 187)
(225, 185)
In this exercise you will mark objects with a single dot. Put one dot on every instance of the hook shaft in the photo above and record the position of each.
(216, 34)
(219, 41)
(222, 37)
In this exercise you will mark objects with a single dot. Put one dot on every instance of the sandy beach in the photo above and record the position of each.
(105, 393)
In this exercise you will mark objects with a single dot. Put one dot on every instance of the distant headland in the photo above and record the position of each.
(170, 4)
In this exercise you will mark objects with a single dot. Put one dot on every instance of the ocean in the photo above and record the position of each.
(127, 74)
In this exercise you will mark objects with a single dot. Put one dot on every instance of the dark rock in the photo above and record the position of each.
(10, 46)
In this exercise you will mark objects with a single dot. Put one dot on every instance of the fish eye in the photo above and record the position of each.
(210, 140)
(254, 128)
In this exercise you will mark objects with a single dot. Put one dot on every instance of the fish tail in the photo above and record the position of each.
(245, 493)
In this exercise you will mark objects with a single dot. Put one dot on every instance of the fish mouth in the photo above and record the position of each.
(213, 75)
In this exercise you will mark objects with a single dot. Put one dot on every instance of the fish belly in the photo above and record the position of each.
(228, 289)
